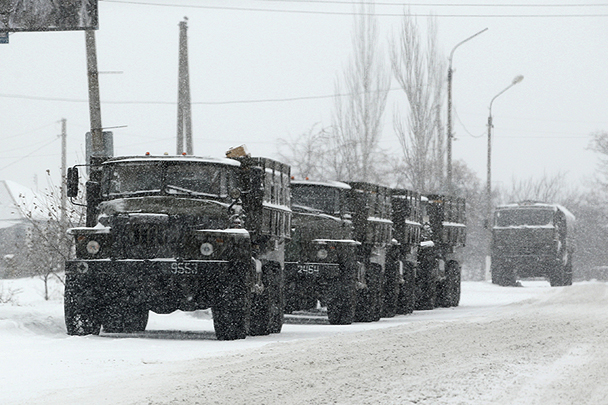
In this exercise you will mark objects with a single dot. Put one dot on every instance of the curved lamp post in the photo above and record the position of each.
(516, 80)
(449, 118)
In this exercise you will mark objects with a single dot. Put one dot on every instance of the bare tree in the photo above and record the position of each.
(47, 244)
(419, 71)
(357, 117)
(307, 154)
(546, 188)
(599, 144)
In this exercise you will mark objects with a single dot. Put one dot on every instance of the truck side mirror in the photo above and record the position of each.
(72, 180)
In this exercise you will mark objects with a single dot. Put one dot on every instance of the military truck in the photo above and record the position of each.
(370, 207)
(402, 255)
(320, 263)
(180, 232)
(532, 239)
(440, 256)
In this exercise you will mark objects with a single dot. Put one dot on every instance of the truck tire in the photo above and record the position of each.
(406, 300)
(264, 308)
(369, 300)
(231, 309)
(125, 317)
(81, 317)
(341, 297)
(503, 275)
(390, 289)
(277, 303)
(568, 272)
(556, 275)
(426, 283)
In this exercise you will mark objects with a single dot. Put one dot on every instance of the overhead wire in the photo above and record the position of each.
(352, 13)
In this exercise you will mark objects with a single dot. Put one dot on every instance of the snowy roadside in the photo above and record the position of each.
(41, 364)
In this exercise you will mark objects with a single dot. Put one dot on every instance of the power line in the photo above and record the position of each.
(250, 101)
(143, 3)
(436, 4)
(28, 155)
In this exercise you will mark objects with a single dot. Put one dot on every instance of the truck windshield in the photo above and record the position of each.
(520, 217)
(319, 198)
(191, 178)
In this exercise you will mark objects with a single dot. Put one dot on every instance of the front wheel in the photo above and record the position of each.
(341, 297)
(81, 317)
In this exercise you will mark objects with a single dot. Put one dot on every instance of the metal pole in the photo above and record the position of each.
(449, 123)
(63, 170)
(516, 80)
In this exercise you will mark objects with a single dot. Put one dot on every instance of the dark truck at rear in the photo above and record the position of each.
(532, 239)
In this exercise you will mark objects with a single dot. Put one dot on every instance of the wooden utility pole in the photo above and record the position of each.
(184, 116)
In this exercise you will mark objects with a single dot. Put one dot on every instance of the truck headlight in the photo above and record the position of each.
(93, 247)
(206, 249)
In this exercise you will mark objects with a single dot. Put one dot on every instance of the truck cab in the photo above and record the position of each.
(441, 248)
(320, 265)
(180, 232)
(532, 239)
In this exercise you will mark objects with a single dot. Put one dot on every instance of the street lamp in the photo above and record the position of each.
(516, 80)
(449, 134)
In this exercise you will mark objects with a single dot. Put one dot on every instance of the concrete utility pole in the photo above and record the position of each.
(97, 148)
(449, 134)
(184, 115)
(64, 179)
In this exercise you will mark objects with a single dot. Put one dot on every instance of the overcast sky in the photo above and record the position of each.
(244, 51)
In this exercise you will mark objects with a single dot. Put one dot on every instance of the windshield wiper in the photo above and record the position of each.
(188, 191)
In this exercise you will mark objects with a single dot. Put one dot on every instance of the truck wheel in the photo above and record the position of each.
(453, 280)
(426, 284)
(568, 272)
(556, 276)
(277, 298)
(125, 317)
(390, 289)
(231, 308)
(406, 300)
(341, 297)
(503, 275)
(369, 300)
(81, 317)
(265, 310)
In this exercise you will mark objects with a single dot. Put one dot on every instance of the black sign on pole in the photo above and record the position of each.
(48, 15)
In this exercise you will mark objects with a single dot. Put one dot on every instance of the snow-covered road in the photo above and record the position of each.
(530, 345)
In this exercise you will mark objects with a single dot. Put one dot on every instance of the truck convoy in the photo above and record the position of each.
(532, 239)
(237, 235)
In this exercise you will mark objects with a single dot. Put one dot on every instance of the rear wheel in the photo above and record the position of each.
(407, 291)
(267, 307)
(232, 306)
(391, 288)
(503, 275)
(369, 300)
(122, 316)
(426, 283)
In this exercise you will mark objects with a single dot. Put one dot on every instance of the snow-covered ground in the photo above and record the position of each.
(529, 345)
